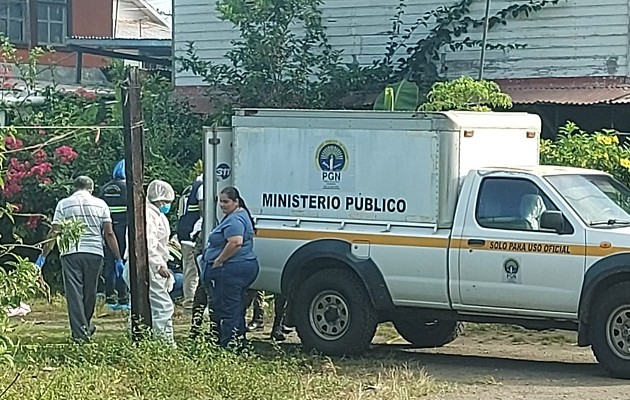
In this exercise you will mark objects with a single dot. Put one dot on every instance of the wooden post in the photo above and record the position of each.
(136, 206)
(79, 68)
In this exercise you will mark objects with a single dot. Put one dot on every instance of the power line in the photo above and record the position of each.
(64, 127)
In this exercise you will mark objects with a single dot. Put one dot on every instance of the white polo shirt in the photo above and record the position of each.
(90, 210)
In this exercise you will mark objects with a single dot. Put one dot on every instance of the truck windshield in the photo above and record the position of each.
(599, 200)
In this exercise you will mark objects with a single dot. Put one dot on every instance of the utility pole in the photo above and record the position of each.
(136, 207)
(484, 40)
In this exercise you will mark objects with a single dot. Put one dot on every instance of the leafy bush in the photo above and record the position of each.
(466, 94)
(270, 65)
(80, 133)
(19, 278)
(463, 94)
(17, 283)
(598, 150)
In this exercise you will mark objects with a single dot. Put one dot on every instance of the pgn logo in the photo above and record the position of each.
(332, 160)
(222, 171)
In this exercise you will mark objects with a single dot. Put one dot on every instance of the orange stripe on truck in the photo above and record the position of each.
(442, 243)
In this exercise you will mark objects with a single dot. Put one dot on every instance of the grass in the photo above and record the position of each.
(48, 366)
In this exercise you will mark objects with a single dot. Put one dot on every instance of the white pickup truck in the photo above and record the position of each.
(427, 220)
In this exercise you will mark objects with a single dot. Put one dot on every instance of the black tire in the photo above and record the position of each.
(609, 330)
(427, 334)
(334, 314)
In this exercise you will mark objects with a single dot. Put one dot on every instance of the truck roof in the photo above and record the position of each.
(386, 119)
(544, 170)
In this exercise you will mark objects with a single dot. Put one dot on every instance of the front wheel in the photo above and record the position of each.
(334, 314)
(610, 330)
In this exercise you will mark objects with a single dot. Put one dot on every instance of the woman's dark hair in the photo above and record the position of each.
(233, 194)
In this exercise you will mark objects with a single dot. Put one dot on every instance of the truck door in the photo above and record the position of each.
(507, 262)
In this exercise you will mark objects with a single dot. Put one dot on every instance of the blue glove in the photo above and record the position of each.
(40, 261)
(120, 266)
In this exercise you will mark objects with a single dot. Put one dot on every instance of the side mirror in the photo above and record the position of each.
(552, 220)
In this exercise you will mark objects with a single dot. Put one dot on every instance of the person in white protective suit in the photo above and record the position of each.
(160, 195)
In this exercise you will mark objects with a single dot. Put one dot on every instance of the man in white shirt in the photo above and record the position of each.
(82, 262)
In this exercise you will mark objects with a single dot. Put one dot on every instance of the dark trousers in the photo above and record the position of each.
(255, 299)
(201, 301)
(116, 289)
(80, 273)
(279, 309)
(228, 285)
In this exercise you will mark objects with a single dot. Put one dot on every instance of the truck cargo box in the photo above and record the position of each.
(399, 167)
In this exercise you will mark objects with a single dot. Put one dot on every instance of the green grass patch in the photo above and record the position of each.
(49, 366)
(116, 369)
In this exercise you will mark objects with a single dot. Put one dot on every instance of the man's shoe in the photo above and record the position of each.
(285, 329)
(255, 326)
(278, 335)
(112, 307)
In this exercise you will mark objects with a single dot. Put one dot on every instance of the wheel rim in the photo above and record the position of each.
(329, 315)
(618, 332)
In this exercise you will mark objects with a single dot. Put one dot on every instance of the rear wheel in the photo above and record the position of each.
(334, 314)
(428, 333)
(610, 330)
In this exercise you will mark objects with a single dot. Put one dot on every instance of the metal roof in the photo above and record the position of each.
(118, 43)
(569, 91)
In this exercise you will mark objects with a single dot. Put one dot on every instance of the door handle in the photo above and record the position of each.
(476, 242)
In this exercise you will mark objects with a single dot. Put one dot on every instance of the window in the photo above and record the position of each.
(13, 20)
(512, 204)
(52, 21)
(599, 200)
(52, 17)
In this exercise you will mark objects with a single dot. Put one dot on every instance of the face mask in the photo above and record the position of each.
(165, 208)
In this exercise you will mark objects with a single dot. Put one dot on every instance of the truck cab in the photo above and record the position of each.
(546, 247)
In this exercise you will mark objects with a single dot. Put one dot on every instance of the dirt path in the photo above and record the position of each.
(484, 366)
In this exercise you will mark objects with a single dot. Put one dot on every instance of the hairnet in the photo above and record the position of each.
(119, 170)
(160, 191)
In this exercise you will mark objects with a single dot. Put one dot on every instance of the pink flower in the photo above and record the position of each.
(41, 132)
(12, 143)
(88, 95)
(16, 165)
(11, 188)
(40, 155)
(46, 181)
(66, 154)
(32, 223)
(41, 169)
(14, 175)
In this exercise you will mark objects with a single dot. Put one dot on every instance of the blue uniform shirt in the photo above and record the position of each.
(234, 224)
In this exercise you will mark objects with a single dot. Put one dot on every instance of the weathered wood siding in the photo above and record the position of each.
(574, 38)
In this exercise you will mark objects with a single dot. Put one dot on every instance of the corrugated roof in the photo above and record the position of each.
(570, 91)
